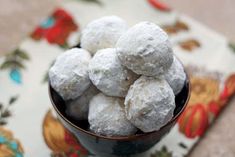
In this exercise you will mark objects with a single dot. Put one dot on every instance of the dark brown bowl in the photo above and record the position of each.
(116, 146)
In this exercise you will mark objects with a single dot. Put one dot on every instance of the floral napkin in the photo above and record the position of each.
(27, 121)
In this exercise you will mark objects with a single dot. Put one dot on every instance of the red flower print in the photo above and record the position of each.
(38, 33)
(159, 5)
(194, 121)
(56, 28)
(229, 88)
(69, 139)
(224, 94)
(214, 108)
(61, 142)
(61, 14)
(204, 105)
(73, 155)
(75, 145)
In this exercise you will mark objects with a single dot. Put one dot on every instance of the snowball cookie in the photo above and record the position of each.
(102, 33)
(145, 49)
(150, 103)
(78, 108)
(108, 75)
(69, 74)
(176, 76)
(107, 117)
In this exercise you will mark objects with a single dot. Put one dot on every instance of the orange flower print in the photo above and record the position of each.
(194, 121)
(203, 90)
(203, 106)
(9, 146)
(61, 142)
(178, 26)
(189, 44)
(229, 88)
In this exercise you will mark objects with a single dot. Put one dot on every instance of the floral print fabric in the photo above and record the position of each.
(27, 121)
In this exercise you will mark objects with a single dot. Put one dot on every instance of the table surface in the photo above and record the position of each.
(16, 23)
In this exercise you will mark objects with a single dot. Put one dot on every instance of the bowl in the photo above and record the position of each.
(105, 146)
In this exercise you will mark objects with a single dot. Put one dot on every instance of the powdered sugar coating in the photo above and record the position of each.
(108, 75)
(78, 108)
(102, 33)
(69, 74)
(107, 117)
(145, 49)
(150, 103)
(176, 76)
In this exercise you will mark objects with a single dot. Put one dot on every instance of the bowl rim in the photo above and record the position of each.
(121, 138)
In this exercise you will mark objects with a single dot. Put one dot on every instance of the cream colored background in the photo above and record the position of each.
(19, 17)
